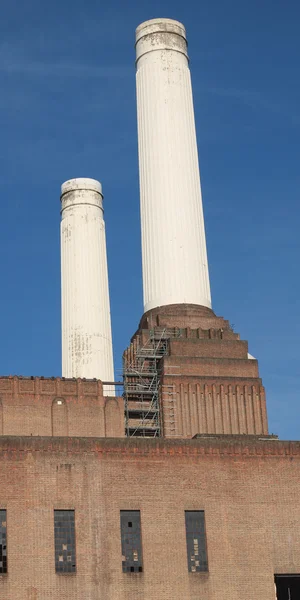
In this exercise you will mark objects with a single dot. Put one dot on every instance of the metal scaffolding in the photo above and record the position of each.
(142, 385)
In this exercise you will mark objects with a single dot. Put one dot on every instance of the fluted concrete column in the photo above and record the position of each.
(86, 324)
(175, 269)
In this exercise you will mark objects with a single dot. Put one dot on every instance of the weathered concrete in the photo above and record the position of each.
(175, 266)
(86, 325)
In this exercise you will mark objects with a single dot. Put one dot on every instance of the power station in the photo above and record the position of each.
(174, 488)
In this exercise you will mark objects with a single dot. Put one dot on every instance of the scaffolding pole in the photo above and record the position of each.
(142, 391)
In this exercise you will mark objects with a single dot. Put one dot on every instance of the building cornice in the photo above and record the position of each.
(12, 447)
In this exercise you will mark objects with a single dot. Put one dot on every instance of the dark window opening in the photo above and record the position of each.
(64, 537)
(196, 541)
(287, 587)
(3, 543)
(132, 561)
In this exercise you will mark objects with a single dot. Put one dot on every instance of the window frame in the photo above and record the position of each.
(59, 539)
(201, 542)
(3, 532)
(133, 516)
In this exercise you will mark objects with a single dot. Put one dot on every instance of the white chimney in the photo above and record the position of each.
(175, 269)
(86, 325)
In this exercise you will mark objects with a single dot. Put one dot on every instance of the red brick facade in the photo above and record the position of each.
(59, 451)
(58, 407)
(208, 383)
(248, 488)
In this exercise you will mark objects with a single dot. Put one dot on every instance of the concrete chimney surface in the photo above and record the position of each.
(81, 191)
(86, 323)
(164, 34)
(81, 183)
(160, 26)
(175, 268)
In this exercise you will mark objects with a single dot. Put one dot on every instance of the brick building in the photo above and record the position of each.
(173, 490)
(208, 509)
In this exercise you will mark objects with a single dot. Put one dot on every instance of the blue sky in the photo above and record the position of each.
(67, 109)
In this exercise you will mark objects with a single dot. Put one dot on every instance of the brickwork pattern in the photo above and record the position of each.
(249, 490)
(208, 382)
(58, 407)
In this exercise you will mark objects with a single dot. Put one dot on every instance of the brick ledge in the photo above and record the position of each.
(218, 446)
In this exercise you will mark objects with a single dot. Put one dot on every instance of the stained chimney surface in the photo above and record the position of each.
(175, 269)
(86, 323)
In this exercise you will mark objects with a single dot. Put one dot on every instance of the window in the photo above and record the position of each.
(3, 547)
(132, 561)
(287, 586)
(64, 535)
(196, 541)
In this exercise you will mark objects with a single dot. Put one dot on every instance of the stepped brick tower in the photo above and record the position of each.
(186, 371)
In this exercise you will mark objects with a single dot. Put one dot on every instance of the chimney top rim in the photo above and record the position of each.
(81, 183)
(160, 25)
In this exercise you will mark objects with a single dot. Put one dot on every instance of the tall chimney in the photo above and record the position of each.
(86, 325)
(175, 269)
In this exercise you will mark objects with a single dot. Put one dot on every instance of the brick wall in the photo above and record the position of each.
(45, 407)
(202, 405)
(249, 490)
(208, 383)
